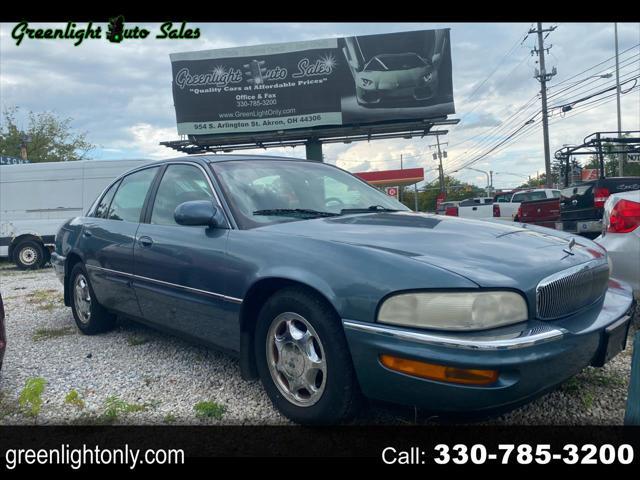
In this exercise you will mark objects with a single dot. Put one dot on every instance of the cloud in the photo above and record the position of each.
(121, 94)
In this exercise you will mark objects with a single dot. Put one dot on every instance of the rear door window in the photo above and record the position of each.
(103, 207)
(129, 199)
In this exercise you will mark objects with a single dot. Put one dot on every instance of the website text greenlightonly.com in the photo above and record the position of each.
(95, 455)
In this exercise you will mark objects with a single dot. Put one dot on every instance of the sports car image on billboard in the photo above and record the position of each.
(396, 76)
(404, 72)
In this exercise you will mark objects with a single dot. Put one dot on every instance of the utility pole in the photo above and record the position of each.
(543, 77)
(439, 157)
(620, 155)
(400, 188)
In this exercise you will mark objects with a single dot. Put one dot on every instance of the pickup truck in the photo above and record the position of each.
(544, 213)
(582, 205)
(479, 207)
(507, 208)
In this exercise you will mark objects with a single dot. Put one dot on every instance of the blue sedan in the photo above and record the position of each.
(331, 292)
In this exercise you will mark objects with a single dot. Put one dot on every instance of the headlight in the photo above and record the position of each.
(460, 311)
(366, 82)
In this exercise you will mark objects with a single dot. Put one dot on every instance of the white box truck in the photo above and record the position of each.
(37, 198)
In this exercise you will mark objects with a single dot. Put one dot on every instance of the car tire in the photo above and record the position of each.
(91, 317)
(312, 350)
(29, 255)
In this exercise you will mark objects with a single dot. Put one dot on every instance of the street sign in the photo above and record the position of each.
(440, 198)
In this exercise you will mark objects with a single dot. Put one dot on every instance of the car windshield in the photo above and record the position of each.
(403, 61)
(268, 191)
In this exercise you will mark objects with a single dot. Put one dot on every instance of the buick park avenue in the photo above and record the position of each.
(331, 292)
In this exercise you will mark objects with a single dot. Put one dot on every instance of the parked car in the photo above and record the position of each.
(328, 289)
(621, 236)
(57, 191)
(582, 205)
(544, 213)
(442, 208)
(3, 333)
(507, 207)
(479, 207)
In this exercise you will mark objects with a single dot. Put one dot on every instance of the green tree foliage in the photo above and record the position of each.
(456, 190)
(51, 138)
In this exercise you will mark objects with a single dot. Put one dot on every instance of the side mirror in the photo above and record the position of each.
(198, 212)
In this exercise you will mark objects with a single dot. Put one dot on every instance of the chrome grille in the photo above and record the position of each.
(569, 290)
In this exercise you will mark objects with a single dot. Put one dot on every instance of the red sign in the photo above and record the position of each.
(440, 198)
(391, 191)
(408, 176)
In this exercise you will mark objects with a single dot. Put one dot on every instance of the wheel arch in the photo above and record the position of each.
(256, 297)
(72, 259)
(21, 238)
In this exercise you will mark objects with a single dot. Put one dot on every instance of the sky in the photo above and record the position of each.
(120, 95)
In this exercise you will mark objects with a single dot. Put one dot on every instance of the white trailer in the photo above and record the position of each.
(37, 198)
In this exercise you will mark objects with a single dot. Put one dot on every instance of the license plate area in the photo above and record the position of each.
(613, 341)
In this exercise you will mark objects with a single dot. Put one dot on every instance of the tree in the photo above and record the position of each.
(456, 190)
(49, 138)
(611, 162)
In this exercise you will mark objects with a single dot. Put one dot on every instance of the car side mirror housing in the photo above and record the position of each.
(198, 213)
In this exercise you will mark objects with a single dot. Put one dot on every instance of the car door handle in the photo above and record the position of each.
(145, 241)
(474, 208)
(87, 233)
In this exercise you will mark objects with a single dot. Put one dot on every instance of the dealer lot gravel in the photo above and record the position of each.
(136, 375)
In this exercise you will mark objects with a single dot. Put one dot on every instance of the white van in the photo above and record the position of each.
(37, 198)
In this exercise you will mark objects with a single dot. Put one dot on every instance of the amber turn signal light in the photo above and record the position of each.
(443, 373)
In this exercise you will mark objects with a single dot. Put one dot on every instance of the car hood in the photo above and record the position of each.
(491, 254)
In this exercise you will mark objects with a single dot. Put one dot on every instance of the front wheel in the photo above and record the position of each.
(303, 359)
(90, 316)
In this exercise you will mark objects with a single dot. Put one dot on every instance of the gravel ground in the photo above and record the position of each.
(135, 375)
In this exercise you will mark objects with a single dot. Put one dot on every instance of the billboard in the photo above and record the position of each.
(331, 82)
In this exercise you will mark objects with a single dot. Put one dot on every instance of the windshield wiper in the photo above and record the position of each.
(295, 212)
(369, 209)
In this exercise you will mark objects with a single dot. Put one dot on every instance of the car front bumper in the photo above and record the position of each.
(530, 360)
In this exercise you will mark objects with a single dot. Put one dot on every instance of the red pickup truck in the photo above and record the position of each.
(545, 212)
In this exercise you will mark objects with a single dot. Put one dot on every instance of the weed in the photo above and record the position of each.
(115, 406)
(73, 398)
(170, 418)
(134, 340)
(209, 410)
(30, 398)
(49, 333)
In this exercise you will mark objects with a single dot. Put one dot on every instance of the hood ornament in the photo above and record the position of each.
(568, 250)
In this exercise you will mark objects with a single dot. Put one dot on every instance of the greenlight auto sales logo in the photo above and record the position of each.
(116, 32)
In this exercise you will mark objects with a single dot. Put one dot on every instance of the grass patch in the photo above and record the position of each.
(170, 418)
(42, 334)
(209, 410)
(30, 398)
(134, 340)
(74, 398)
(46, 299)
(114, 407)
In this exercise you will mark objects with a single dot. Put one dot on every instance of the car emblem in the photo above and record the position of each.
(572, 242)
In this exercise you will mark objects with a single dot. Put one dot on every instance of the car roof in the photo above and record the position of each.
(216, 158)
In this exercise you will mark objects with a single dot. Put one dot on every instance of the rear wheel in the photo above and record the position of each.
(303, 359)
(29, 255)
(90, 316)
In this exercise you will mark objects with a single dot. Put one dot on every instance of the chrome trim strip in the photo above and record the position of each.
(447, 341)
(161, 282)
